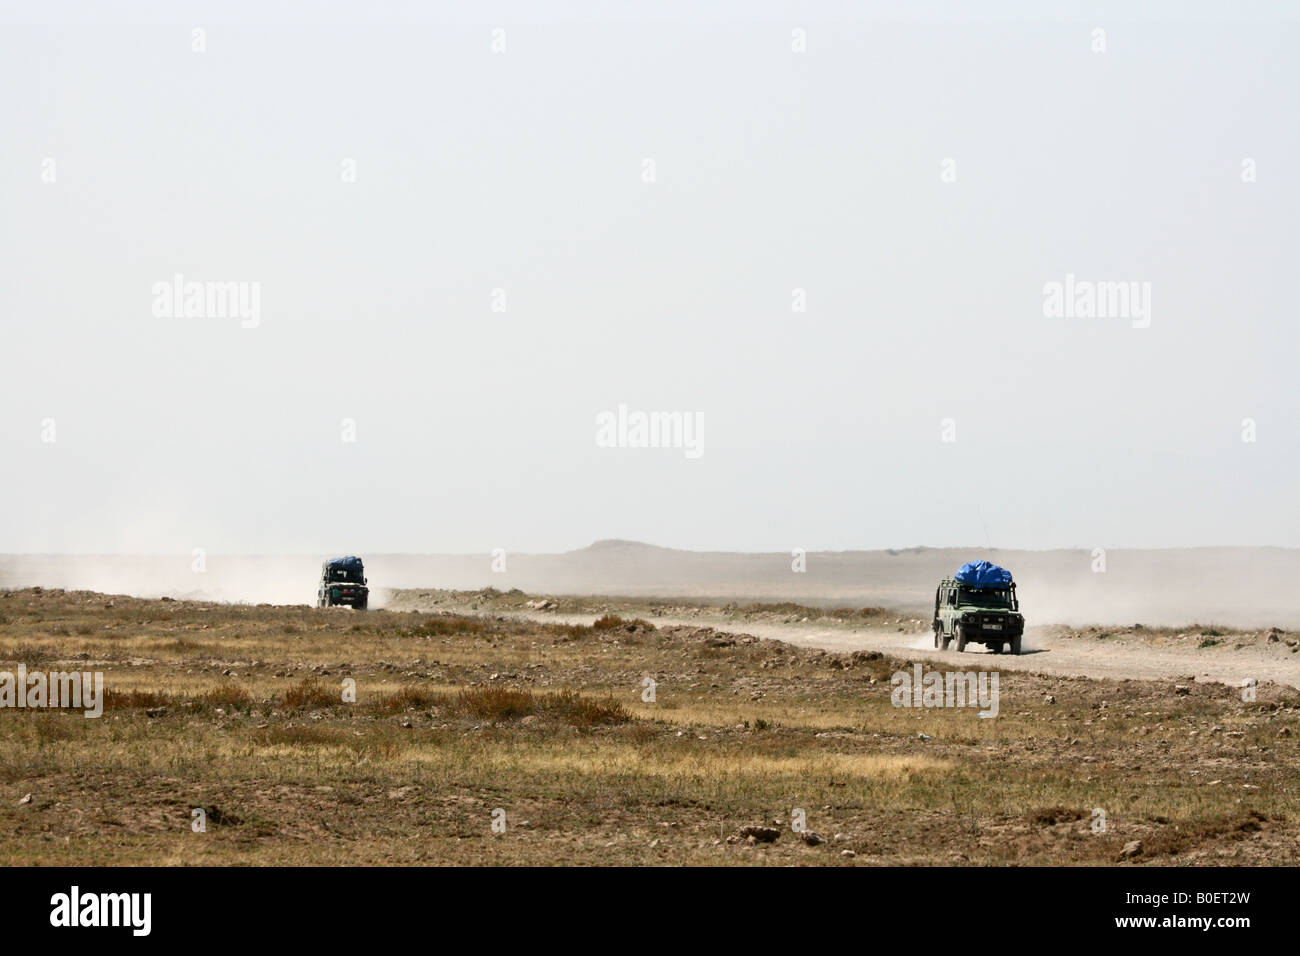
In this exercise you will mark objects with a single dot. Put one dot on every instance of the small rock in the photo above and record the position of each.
(1049, 699)
(157, 712)
(1182, 690)
(26, 799)
(811, 838)
(1131, 849)
(847, 853)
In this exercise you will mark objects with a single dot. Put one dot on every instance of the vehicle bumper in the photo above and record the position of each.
(349, 598)
(976, 632)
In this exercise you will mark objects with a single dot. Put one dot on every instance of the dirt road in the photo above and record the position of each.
(1043, 653)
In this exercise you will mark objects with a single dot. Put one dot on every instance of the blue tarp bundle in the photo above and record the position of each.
(347, 563)
(982, 574)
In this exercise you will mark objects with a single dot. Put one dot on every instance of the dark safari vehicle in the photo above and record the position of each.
(343, 582)
(978, 605)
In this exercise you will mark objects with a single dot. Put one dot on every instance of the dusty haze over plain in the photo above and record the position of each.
(919, 174)
(1240, 587)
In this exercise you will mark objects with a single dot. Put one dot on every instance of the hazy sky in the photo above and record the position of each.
(919, 175)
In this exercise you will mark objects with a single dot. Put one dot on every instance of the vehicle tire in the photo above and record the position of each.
(1015, 646)
(359, 607)
(946, 640)
(961, 639)
(996, 647)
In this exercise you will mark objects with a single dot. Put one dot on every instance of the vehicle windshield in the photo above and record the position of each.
(342, 574)
(985, 597)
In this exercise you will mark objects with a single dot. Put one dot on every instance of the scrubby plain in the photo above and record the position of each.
(462, 719)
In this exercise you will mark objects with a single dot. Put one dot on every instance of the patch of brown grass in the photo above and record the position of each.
(407, 698)
(848, 613)
(604, 625)
(228, 696)
(446, 627)
(509, 703)
(578, 711)
(127, 699)
(496, 703)
(30, 654)
(311, 693)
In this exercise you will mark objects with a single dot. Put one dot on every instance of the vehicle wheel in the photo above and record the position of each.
(359, 607)
(996, 647)
(946, 640)
(1015, 646)
(961, 638)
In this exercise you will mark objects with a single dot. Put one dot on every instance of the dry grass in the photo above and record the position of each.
(227, 695)
(139, 699)
(496, 703)
(579, 711)
(309, 693)
(444, 626)
(239, 710)
(409, 698)
(603, 626)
